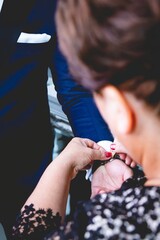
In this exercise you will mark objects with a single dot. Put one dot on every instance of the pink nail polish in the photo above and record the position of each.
(108, 154)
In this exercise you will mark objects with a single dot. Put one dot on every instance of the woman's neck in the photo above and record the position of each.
(150, 162)
(153, 182)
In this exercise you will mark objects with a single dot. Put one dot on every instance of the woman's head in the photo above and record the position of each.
(113, 47)
(112, 41)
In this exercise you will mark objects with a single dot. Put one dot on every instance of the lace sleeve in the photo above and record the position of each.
(35, 224)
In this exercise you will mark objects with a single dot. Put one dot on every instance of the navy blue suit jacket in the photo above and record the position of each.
(26, 139)
(24, 112)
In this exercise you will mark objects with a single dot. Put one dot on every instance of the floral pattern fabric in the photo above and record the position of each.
(133, 212)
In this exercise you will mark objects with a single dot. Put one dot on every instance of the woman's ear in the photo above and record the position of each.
(116, 109)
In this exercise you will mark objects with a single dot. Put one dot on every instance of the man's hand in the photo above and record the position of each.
(109, 177)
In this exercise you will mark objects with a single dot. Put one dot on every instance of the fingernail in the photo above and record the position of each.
(113, 146)
(108, 154)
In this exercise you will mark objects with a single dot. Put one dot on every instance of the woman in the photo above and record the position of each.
(113, 48)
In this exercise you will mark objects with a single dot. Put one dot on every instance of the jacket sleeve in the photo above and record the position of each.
(77, 102)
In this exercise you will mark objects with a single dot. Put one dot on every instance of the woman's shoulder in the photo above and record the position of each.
(128, 211)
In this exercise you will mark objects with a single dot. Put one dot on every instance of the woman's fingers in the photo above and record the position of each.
(117, 147)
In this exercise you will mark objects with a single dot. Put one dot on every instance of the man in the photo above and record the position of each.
(26, 51)
(84, 118)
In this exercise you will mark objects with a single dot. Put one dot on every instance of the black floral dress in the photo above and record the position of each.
(133, 212)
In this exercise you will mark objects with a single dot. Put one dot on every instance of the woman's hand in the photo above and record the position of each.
(117, 147)
(80, 154)
(53, 187)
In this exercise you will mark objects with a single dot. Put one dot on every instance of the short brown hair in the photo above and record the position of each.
(113, 41)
